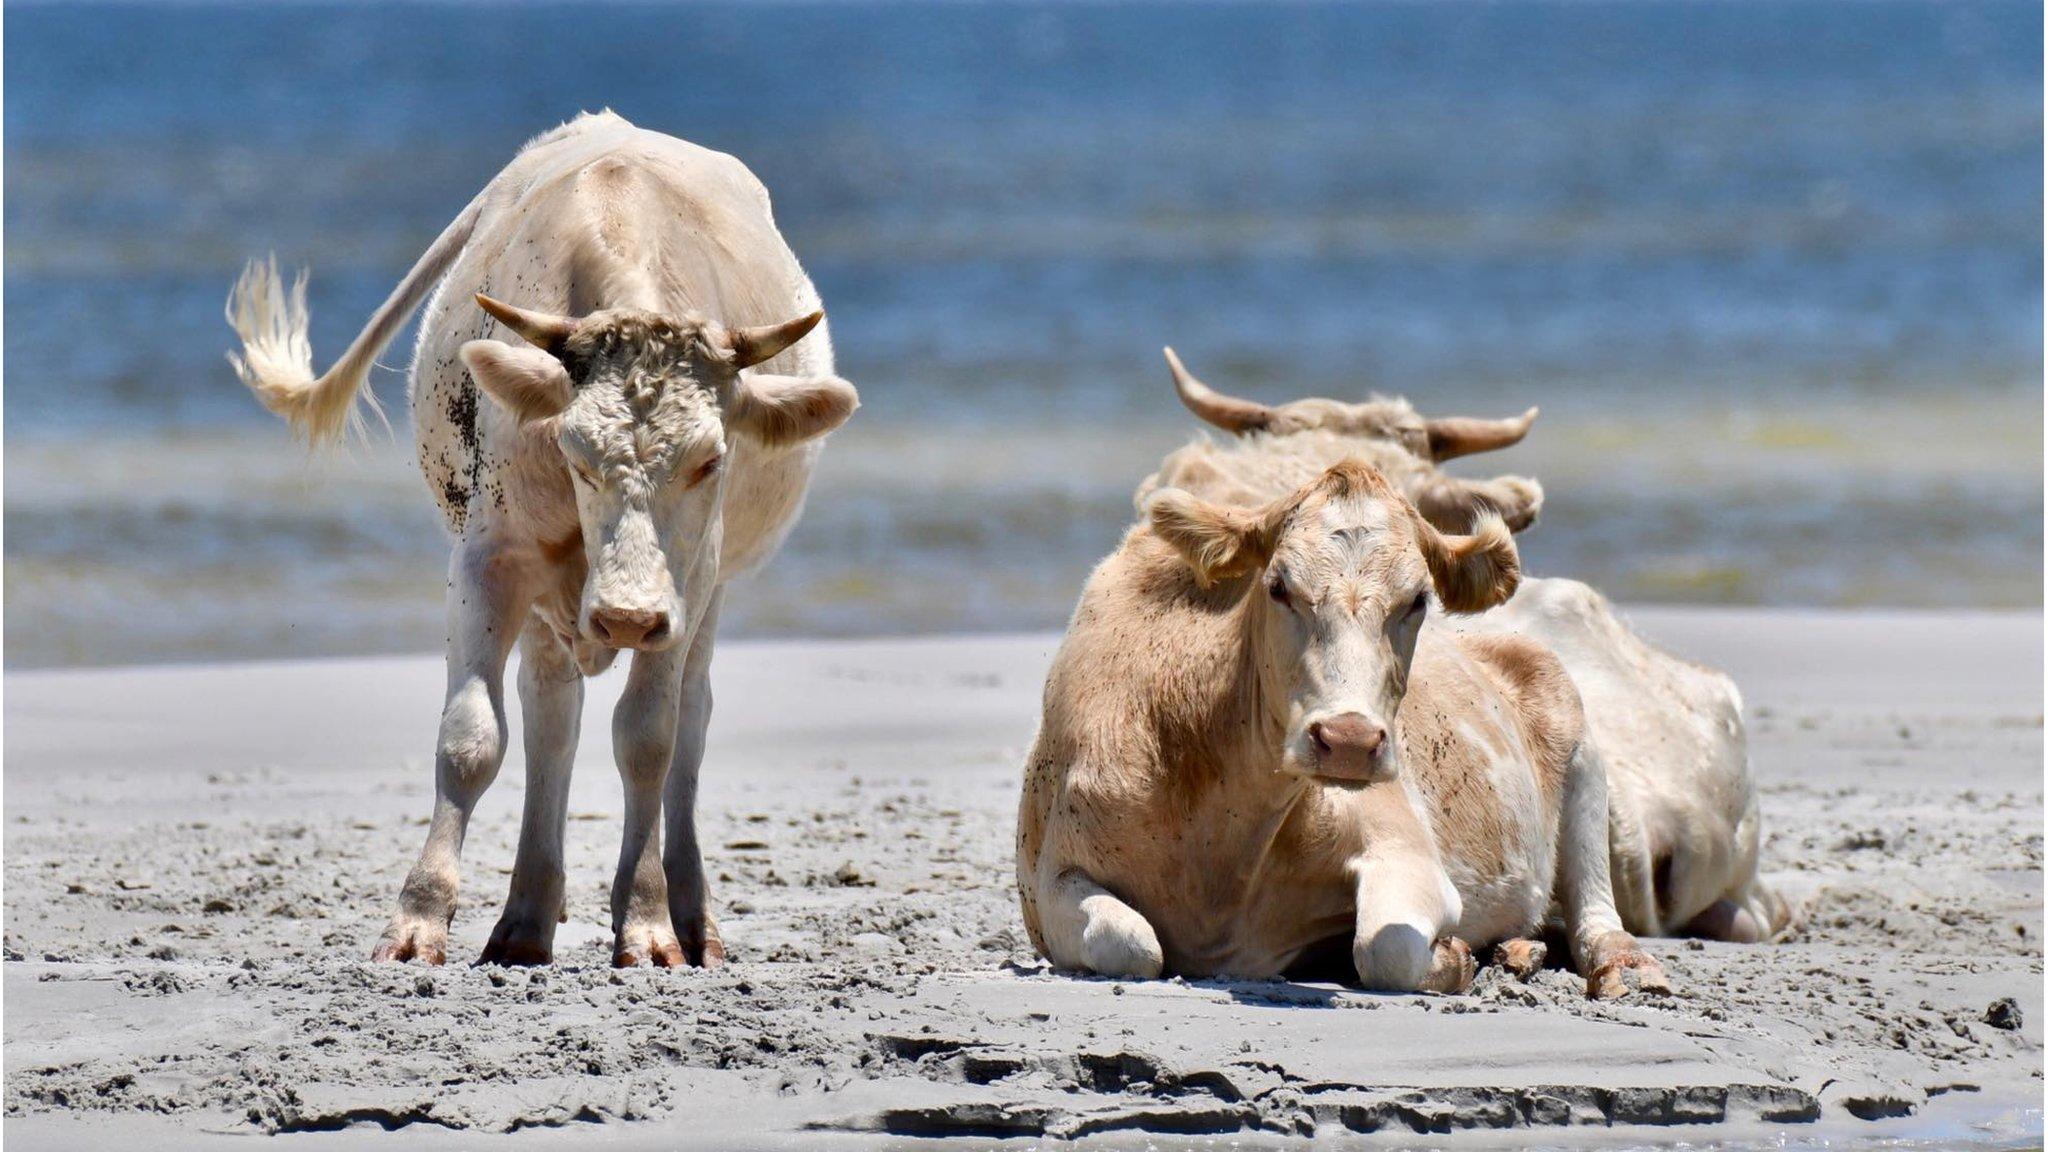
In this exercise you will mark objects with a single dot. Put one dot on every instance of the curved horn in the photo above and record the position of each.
(1226, 412)
(543, 330)
(751, 346)
(1455, 436)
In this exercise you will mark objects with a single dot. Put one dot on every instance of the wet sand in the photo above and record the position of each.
(199, 858)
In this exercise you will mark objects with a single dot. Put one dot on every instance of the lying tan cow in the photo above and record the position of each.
(1253, 749)
(1685, 827)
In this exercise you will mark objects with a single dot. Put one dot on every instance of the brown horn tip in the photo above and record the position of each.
(1455, 436)
(543, 330)
(763, 342)
(1226, 412)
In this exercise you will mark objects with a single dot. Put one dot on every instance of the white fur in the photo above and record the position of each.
(597, 216)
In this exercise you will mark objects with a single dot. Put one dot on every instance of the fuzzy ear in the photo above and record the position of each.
(1217, 542)
(779, 410)
(530, 383)
(1472, 573)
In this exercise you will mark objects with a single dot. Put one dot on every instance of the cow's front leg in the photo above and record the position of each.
(1406, 910)
(643, 741)
(689, 895)
(1088, 928)
(487, 596)
(551, 703)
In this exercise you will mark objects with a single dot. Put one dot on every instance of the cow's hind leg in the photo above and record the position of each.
(689, 896)
(487, 597)
(1602, 950)
(1750, 917)
(551, 703)
(643, 742)
(1088, 928)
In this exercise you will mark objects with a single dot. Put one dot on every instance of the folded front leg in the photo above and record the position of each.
(1088, 928)
(1406, 911)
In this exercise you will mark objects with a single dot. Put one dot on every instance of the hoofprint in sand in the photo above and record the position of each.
(198, 860)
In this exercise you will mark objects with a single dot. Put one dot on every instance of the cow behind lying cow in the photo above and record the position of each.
(647, 438)
(1685, 823)
(1252, 749)
(1296, 441)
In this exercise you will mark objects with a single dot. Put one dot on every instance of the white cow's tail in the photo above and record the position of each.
(276, 361)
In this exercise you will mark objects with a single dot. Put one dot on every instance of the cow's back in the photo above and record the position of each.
(599, 213)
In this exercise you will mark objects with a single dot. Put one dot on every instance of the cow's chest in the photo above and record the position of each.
(1245, 895)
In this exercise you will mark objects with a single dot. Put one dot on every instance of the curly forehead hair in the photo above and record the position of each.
(646, 336)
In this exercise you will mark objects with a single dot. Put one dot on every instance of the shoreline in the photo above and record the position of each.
(193, 891)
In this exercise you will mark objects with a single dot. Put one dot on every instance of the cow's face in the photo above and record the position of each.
(646, 411)
(1337, 582)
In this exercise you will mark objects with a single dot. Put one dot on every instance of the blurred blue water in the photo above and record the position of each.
(1820, 221)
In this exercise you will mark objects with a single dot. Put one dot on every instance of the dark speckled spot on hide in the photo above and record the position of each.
(462, 483)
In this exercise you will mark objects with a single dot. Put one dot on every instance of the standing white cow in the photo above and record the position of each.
(648, 438)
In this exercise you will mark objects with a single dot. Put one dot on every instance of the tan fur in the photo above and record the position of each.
(1683, 801)
(1161, 801)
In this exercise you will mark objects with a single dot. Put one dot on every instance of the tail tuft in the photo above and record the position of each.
(276, 361)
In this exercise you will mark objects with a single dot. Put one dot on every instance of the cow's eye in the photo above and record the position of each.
(1276, 587)
(584, 472)
(1420, 606)
(707, 470)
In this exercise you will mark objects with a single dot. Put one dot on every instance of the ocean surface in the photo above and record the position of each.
(1773, 271)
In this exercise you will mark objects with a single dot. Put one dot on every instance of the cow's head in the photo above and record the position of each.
(646, 410)
(1380, 418)
(1336, 582)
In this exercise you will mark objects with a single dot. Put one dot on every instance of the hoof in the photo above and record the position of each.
(523, 938)
(1521, 959)
(1629, 971)
(703, 948)
(654, 946)
(408, 939)
(1451, 968)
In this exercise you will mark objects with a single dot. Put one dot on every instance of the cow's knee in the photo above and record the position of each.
(472, 742)
(1394, 958)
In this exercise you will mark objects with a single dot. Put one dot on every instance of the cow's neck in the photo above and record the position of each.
(1248, 733)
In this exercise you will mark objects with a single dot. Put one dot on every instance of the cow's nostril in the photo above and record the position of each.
(1350, 733)
(629, 627)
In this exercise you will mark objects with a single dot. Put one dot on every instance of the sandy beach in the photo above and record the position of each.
(199, 858)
